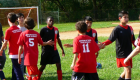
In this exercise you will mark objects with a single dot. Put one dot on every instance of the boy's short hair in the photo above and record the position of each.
(50, 17)
(81, 26)
(29, 23)
(122, 13)
(12, 17)
(19, 15)
(88, 18)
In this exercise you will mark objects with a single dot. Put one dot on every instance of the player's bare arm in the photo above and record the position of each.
(132, 54)
(60, 44)
(74, 61)
(19, 53)
(3, 47)
(68, 45)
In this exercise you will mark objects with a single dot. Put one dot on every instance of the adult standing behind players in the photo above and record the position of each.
(12, 34)
(21, 26)
(2, 56)
(49, 53)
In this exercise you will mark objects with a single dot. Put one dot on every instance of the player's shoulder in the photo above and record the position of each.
(130, 27)
(45, 27)
(94, 30)
(55, 28)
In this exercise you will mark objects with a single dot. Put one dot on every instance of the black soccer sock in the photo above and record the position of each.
(121, 78)
(2, 75)
(128, 79)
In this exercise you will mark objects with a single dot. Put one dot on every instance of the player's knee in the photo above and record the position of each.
(0, 69)
(58, 65)
(128, 70)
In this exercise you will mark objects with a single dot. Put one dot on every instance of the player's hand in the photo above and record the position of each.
(19, 60)
(1, 53)
(125, 61)
(8, 52)
(72, 67)
(101, 45)
(68, 45)
(50, 42)
(63, 53)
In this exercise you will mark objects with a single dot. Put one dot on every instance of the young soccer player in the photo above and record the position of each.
(11, 36)
(29, 39)
(124, 36)
(84, 48)
(90, 32)
(20, 21)
(49, 53)
(2, 56)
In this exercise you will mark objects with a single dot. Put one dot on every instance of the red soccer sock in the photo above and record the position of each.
(34, 78)
(59, 73)
(30, 78)
(39, 74)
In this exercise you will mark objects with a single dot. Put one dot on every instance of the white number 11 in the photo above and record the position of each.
(85, 48)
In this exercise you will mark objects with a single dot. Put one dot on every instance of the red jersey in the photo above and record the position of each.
(86, 48)
(12, 34)
(30, 39)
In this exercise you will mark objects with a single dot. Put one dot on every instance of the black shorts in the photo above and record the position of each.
(84, 76)
(50, 57)
(2, 60)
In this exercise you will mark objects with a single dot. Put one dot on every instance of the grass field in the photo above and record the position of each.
(107, 58)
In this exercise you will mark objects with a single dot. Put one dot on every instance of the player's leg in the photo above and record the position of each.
(91, 76)
(2, 63)
(59, 71)
(122, 76)
(17, 69)
(127, 73)
(40, 71)
(56, 59)
(77, 76)
(33, 72)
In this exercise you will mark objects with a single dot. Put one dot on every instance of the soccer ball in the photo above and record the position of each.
(99, 66)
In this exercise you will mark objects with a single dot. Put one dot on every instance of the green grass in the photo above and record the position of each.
(107, 58)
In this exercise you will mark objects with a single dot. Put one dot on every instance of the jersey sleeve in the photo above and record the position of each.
(40, 40)
(96, 38)
(132, 36)
(41, 32)
(58, 35)
(95, 47)
(1, 34)
(113, 35)
(76, 45)
(20, 40)
(7, 35)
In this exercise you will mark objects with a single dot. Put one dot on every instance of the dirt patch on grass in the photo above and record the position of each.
(100, 31)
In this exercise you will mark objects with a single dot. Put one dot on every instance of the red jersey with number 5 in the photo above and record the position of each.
(30, 39)
(86, 48)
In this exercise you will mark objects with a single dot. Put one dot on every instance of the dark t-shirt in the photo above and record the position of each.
(124, 38)
(46, 35)
(1, 34)
(92, 34)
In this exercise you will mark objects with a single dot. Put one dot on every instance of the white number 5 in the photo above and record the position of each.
(31, 43)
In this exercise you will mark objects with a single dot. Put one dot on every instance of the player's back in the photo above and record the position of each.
(31, 39)
(86, 49)
(12, 35)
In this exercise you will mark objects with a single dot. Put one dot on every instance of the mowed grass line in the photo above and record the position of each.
(107, 58)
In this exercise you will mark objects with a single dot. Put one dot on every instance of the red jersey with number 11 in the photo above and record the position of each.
(30, 39)
(86, 48)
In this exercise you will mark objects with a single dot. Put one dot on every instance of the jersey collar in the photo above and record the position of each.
(88, 30)
(125, 27)
(50, 28)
